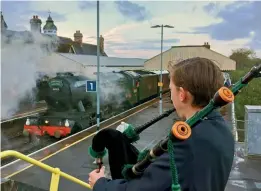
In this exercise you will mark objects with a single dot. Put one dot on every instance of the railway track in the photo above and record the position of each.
(47, 147)
(13, 138)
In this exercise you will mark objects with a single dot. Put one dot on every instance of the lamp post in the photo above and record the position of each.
(161, 26)
(98, 66)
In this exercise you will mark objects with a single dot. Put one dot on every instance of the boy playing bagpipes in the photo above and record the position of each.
(203, 161)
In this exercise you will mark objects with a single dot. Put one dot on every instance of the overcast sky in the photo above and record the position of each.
(125, 25)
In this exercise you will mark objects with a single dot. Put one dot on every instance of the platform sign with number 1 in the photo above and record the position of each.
(91, 86)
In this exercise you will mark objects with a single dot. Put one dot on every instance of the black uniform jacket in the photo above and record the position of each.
(203, 161)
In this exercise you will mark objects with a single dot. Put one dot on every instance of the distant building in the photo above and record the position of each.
(91, 61)
(177, 53)
(3, 23)
(78, 47)
(63, 44)
(50, 28)
(35, 24)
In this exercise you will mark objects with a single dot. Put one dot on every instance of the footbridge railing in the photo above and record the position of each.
(56, 172)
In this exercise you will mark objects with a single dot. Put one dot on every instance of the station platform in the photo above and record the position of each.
(74, 160)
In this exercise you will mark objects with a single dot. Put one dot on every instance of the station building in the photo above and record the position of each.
(91, 61)
(177, 53)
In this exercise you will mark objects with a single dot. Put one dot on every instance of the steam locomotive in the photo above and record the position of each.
(71, 108)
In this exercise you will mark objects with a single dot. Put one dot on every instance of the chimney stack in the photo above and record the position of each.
(101, 43)
(78, 37)
(35, 23)
(206, 45)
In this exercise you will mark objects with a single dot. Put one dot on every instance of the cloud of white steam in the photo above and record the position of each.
(111, 91)
(21, 63)
(21, 54)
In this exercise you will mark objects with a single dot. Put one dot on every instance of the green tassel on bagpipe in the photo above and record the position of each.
(124, 173)
(131, 134)
(95, 154)
(143, 154)
(128, 167)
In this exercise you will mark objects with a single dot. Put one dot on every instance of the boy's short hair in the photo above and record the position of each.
(200, 76)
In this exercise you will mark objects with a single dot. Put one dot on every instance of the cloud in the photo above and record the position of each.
(132, 10)
(87, 5)
(138, 39)
(126, 26)
(210, 7)
(62, 7)
(44, 14)
(143, 45)
(239, 20)
(17, 14)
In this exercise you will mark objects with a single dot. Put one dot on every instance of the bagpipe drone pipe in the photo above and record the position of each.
(180, 130)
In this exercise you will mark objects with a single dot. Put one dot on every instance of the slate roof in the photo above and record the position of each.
(64, 44)
(86, 49)
(91, 60)
(49, 24)
(3, 23)
(8, 35)
(64, 40)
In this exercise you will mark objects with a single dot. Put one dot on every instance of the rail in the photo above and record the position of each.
(56, 172)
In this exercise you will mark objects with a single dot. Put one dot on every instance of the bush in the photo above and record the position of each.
(249, 95)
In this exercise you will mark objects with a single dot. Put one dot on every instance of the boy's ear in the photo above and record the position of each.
(182, 94)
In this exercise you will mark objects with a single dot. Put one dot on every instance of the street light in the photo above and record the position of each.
(161, 26)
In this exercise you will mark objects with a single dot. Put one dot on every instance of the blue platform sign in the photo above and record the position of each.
(91, 86)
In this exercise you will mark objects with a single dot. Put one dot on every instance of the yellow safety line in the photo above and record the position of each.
(55, 171)
(17, 172)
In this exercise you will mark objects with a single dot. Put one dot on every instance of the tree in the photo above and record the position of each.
(244, 57)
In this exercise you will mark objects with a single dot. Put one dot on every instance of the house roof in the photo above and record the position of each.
(9, 35)
(3, 23)
(64, 43)
(63, 48)
(64, 40)
(49, 24)
(189, 46)
(91, 60)
(87, 49)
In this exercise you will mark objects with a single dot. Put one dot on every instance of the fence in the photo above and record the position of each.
(56, 173)
(249, 129)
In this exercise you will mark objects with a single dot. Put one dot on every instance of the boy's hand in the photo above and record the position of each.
(94, 176)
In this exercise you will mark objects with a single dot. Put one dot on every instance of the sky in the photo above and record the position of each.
(126, 25)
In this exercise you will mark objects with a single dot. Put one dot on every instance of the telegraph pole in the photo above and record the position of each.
(98, 66)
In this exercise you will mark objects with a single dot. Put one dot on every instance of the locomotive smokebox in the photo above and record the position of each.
(67, 92)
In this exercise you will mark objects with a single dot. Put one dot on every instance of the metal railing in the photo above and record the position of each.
(234, 121)
(56, 172)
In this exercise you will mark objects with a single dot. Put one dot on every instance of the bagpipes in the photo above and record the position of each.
(180, 130)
